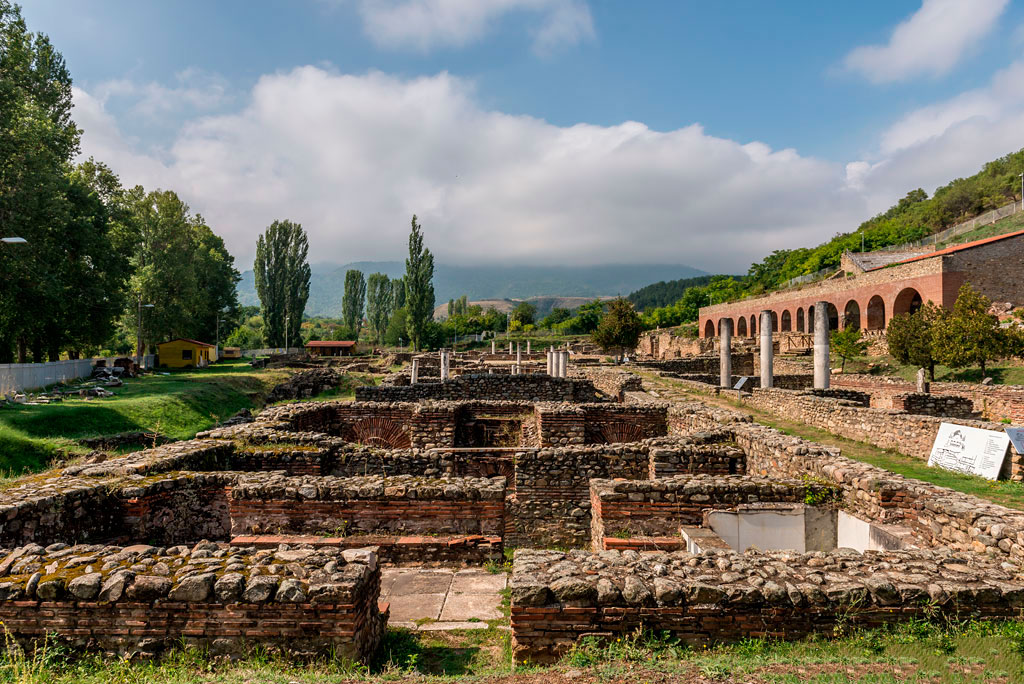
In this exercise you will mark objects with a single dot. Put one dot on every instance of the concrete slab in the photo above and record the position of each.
(416, 607)
(478, 583)
(388, 576)
(422, 582)
(461, 607)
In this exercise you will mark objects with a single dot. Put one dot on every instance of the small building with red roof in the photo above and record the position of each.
(330, 347)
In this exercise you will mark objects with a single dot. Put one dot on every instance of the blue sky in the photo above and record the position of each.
(550, 131)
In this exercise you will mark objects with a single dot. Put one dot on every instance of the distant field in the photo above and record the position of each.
(176, 405)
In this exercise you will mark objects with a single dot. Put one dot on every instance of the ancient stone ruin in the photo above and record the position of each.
(678, 516)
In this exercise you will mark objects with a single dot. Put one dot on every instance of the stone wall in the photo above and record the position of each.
(993, 402)
(709, 453)
(403, 504)
(658, 508)
(742, 364)
(938, 517)
(140, 600)
(612, 382)
(910, 434)
(537, 387)
(725, 597)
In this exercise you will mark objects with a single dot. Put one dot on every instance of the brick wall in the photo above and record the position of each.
(539, 387)
(726, 597)
(407, 505)
(658, 508)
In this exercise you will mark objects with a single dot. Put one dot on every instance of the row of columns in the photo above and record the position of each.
(558, 363)
(495, 351)
(822, 371)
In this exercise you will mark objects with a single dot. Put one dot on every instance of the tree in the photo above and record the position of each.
(969, 334)
(38, 139)
(282, 280)
(378, 304)
(396, 334)
(619, 329)
(910, 336)
(419, 286)
(557, 315)
(523, 314)
(397, 295)
(353, 300)
(847, 344)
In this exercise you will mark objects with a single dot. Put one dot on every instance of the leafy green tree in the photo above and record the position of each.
(419, 286)
(353, 300)
(38, 139)
(378, 304)
(586, 320)
(557, 315)
(396, 335)
(969, 335)
(847, 344)
(524, 314)
(910, 337)
(282, 280)
(619, 329)
(397, 295)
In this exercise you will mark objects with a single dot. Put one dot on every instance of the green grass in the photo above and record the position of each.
(1008, 372)
(176, 405)
(915, 652)
(1004, 492)
(1010, 224)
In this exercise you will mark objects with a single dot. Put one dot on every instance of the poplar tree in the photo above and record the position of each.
(378, 304)
(419, 286)
(353, 300)
(282, 280)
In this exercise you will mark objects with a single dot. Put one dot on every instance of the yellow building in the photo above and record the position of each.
(185, 353)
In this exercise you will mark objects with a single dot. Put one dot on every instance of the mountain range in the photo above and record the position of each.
(327, 282)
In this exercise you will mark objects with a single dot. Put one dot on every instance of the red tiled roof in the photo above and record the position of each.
(185, 339)
(966, 245)
(330, 343)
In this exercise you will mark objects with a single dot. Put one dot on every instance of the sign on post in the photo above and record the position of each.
(741, 383)
(969, 450)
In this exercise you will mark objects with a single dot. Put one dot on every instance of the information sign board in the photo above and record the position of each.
(969, 450)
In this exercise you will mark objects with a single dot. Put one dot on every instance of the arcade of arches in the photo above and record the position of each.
(870, 313)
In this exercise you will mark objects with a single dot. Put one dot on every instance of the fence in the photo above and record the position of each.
(272, 351)
(17, 377)
(986, 219)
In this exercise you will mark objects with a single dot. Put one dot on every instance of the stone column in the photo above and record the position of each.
(444, 365)
(492, 345)
(822, 370)
(725, 352)
(564, 364)
(510, 349)
(519, 357)
(415, 371)
(766, 350)
(527, 347)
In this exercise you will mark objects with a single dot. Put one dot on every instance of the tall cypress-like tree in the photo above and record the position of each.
(282, 280)
(419, 286)
(353, 300)
(397, 295)
(378, 304)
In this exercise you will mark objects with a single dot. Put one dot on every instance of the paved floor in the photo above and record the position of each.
(431, 599)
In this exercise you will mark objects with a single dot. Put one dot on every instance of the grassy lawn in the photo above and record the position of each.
(1002, 492)
(1008, 372)
(914, 652)
(177, 404)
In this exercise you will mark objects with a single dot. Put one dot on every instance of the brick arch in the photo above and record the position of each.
(852, 315)
(775, 322)
(620, 431)
(786, 321)
(741, 327)
(800, 325)
(379, 431)
(908, 300)
(875, 316)
(709, 329)
(753, 325)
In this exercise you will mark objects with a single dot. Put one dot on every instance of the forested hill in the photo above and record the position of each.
(914, 217)
(663, 293)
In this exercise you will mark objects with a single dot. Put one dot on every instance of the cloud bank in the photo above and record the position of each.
(352, 157)
(929, 43)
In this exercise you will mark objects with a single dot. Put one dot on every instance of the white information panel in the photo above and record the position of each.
(969, 450)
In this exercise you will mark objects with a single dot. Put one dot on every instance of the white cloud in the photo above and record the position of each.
(426, 24)
(352, 157)
(193, 90)
(929, 42)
